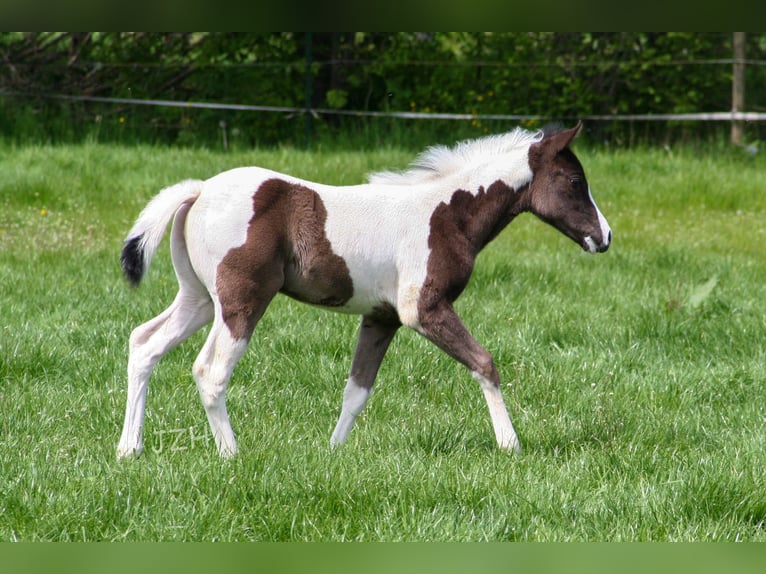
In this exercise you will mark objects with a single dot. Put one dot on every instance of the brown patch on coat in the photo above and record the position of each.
(286, 251)
(459, 230)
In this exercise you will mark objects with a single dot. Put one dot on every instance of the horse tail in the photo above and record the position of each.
(145, 235)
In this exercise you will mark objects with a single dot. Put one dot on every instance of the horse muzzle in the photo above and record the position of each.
(591, 246)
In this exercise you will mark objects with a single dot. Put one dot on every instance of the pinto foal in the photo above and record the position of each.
(397, 251)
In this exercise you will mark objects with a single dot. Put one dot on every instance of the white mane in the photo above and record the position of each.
(441, 161)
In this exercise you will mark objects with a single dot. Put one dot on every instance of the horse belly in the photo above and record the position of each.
(374, 286)
(387, 272)
(341, 284)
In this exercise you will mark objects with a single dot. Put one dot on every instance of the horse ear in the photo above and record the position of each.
(559, 141)
(575, 131)
(551, 144)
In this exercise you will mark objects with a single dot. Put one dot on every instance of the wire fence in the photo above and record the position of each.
(753, 120)
(728, 116)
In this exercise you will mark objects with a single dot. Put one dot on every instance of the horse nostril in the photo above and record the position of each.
(609, 237)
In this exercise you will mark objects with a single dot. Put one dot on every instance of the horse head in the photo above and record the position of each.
(559, 193)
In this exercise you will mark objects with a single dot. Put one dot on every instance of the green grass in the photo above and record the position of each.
(636, 379)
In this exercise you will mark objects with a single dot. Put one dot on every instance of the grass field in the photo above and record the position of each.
(636, 379)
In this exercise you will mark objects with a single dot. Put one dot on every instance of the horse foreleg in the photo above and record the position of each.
(148, 343)
(443, 327)
(374, 339)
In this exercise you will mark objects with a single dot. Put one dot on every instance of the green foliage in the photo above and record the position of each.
(556, 75)
(640, 418)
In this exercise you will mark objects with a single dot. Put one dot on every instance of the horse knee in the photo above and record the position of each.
(486, 372)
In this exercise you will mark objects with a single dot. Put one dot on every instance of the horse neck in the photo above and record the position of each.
(479, 216)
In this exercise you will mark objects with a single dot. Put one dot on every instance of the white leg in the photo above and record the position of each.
(148, 343)
(212, 371)
(442, 326)
(501, 421)
(354, 399)
(374, 339)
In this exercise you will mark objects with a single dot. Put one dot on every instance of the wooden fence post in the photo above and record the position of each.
(738, 87)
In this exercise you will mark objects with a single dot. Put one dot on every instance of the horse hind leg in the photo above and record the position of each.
(212, 371)
(148, 343)
(191, 310)
(238, 306)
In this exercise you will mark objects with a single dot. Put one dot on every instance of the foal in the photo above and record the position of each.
(397, 250)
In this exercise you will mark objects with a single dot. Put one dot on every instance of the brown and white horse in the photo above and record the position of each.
(397, 250)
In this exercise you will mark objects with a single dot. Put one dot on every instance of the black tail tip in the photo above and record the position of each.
(132, 260)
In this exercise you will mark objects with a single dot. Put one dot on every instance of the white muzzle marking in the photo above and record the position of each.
(606, 231)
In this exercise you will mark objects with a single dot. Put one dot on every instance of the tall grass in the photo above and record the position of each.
(635, 378)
